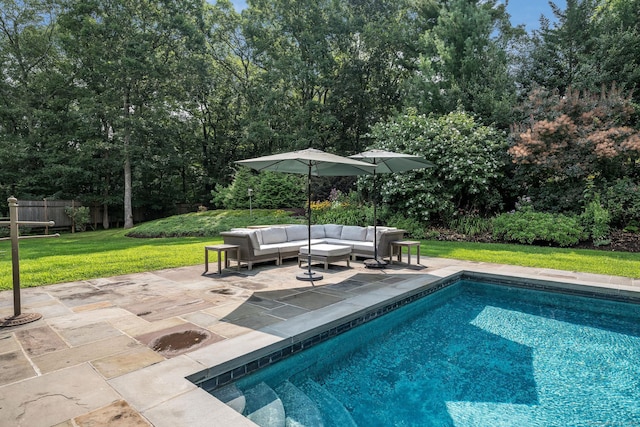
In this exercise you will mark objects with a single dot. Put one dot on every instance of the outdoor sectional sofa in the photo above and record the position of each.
(280, 242)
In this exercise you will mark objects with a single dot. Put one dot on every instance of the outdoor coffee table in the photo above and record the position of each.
(223, 248)
(397, 245)
(325, 253)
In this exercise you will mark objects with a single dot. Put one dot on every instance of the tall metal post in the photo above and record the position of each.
(15, 253)
(18, 317)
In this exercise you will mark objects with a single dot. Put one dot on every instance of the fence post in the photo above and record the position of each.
(46, 216)
(73, 216)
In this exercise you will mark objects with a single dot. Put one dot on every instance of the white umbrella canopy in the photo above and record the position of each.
(387, 162)
(390, 162)
(310, 162)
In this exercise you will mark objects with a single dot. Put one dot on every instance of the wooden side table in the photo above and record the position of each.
(398, 245)
(220, 249)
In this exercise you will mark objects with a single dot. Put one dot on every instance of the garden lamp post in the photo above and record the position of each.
(250, 192)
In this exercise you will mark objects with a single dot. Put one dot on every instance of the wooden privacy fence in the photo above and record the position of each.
(53, 210)
(46, 210)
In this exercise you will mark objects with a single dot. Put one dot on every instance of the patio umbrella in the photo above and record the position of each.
(310, 162)
(387, 162)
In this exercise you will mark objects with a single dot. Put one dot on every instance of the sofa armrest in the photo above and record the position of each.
(241, 239)
(385, 239)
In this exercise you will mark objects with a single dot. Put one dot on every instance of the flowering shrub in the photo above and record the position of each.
(468, 159)
(567, 138)
(321, 206)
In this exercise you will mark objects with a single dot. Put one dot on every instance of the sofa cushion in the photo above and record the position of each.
(353, 232)
(297, 232)
(253, 236)
(317, 231)
(273, 235)
(380, 229)
(326, 250)
(267, 249)
(369, 237)
(332, 231)
(366, 247)
(290, 247)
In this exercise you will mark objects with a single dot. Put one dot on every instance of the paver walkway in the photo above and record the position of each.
(97, 357)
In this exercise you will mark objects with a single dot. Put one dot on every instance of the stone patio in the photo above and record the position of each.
(90, 360)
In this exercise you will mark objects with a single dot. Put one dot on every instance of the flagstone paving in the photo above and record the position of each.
(90, 360)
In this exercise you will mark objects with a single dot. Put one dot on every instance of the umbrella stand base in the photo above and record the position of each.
(309, 276)
(375, 263)
(20, 319)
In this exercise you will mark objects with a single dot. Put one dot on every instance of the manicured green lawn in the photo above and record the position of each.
(588, 261)
(94, 254)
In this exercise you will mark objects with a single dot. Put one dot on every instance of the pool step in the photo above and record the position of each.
(232, 396)
(300, 410)
(334, 412)
(264, 407)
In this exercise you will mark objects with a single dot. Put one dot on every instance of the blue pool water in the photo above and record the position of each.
(470, 355)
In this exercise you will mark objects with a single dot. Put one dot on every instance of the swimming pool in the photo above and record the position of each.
(471, 354)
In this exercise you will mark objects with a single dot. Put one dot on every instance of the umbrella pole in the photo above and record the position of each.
(375, 262)
(309, 276)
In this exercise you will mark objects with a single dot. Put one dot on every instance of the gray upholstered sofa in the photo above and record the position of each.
(280, 242)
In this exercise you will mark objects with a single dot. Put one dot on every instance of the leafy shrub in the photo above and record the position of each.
(468, 158)
(219, 196)
(413, 227)
(470, 225)
(80, 216)
(595, 219)
(527, 227)
(632, 227)
(622, 200)
(270, 190)
(345, 214)
(432, 235)
(280, 190)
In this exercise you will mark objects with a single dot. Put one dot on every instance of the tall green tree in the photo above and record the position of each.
(125, 51)
(615, 57)
(328, 70)
(219, 89)
(36, 97)
(561, 52)
(464, 62)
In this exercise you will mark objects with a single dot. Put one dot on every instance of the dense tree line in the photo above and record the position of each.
(146, 103)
